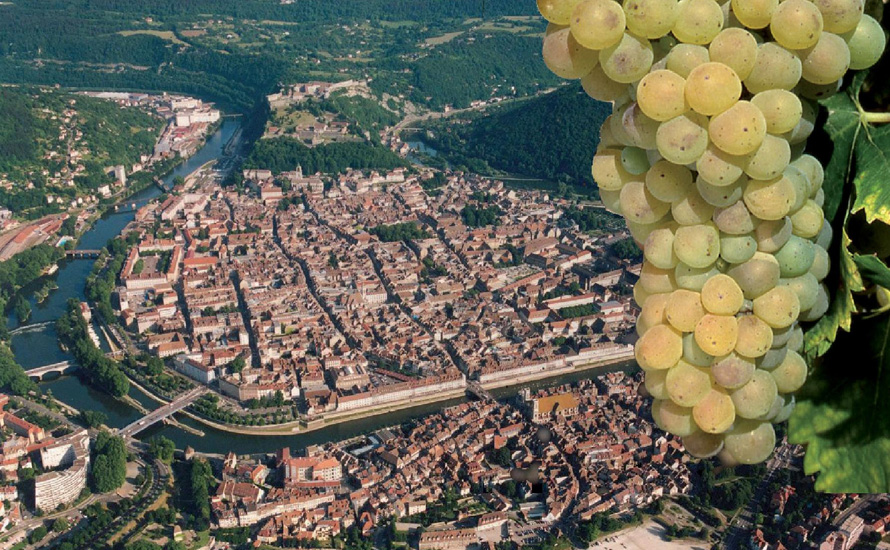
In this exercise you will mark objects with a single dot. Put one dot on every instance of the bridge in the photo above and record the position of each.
(62, 367)
(31, 328)
(85, 253)
(162, 413)
(475, 388)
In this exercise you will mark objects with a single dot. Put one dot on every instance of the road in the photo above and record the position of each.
(158, 415)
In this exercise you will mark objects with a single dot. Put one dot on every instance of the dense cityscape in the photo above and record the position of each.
(320, 303)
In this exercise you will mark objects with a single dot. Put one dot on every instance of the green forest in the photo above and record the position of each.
(552, 137)
(284, 154)
(30, 124)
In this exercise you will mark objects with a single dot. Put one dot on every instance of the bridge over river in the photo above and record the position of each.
(162, 413)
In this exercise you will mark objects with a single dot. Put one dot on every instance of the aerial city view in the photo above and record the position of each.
(466, 274)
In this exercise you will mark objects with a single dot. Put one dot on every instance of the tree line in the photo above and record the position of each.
(284, 154)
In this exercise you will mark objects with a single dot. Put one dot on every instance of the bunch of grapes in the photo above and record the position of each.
(703, 156)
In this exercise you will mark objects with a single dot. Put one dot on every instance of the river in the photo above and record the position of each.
(39, 347)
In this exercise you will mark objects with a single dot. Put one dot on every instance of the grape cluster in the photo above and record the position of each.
(703, 156)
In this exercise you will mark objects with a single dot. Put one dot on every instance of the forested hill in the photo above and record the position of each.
(300, 10)
(553, 136)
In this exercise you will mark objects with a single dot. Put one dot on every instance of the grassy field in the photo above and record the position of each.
(166, 35)
(444, 39)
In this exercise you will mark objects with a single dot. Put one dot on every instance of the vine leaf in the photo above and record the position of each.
(820, 336)
(873, 164)
(873, 269)
(843, 126)
(839, 412)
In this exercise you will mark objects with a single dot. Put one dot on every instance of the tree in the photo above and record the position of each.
(93, 419)
(109, 464)
(61, 524)
(162, 449)
(37, 535)
(142, 544)
(154, 366)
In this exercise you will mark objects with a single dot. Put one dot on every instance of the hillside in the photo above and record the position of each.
(551, 137)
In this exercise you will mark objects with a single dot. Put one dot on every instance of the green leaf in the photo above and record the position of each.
(820, 336)
(873, 269)
(873, 177)
(840, 412)
(842, 126)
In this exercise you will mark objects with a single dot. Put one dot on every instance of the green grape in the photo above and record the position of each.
(732, 371)
(684, 310)
(772, 235)
(697, 245)
(715, 413)
(668, 182)
(599, 86)
(659, 348)
(712, 88)
(795, 342)
(597, 24)
(673, 418)
(635, 160)
(627, 61)
(640, 231)
(791, 373)
(755, 337)
(736, 249)
(826, 234)
(652, 313)
(654, 383)
(773, 358)
(806, 287)
(801, 185)
(658, 281)
(796, 257)
(775, 68)
(608, 170)
(770, 159)
(821, 263)
(611, 201)
(659, 247)
(703, 445)
(807, 222)
(827, 61)
(639, 128)
(693, 278)
(557, 11)
(683, 139)
(781, 109)
(818, 310)
(754, 14)
(607, 138)
(840, 16)
(812, 169)
(685, 57)
(734, 219)
(769, 199)
(661, 95)
(639, 206)
(686, 384)
(775, 410)
(693, 354)
(750, 442)
(782, 335)
(650, 18)
(736, 48)
(739, 130)
(778, 307)
(866, 43)
(786, 410)
(818, 92)
(698, 21)
(692, 209)
(796, 24)
(819, 199)
(720, 196)
(640, 295)
(755, 398)
(565, 57)
(717, 334)
(721, 295)
(757, 275)
(720, 168)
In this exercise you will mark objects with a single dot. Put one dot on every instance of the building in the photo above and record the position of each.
(62, 487)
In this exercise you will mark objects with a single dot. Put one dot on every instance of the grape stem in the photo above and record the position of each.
(874, 118)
